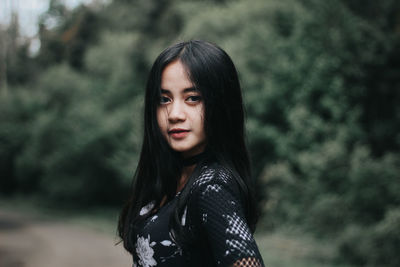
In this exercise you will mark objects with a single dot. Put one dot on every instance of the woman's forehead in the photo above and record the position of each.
(174, 77)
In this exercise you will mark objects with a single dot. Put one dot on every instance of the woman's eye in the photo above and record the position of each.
(164, 100)
(194, 98)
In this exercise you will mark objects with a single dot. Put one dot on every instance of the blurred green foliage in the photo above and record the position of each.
(321, 84)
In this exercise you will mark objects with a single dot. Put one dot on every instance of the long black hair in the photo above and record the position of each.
(213, 73)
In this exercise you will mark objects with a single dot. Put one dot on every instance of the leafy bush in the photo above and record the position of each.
(373, 246)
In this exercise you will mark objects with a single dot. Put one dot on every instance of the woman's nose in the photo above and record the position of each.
(176, 112)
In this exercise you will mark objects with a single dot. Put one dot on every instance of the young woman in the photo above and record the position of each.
(191, 203)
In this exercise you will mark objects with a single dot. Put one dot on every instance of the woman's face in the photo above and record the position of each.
(180, 114)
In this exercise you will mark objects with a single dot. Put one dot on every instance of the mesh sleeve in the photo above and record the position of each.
(221, 218)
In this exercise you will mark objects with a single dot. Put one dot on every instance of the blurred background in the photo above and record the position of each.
(321, 82)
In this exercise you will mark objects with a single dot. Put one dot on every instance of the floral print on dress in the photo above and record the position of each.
(183, 220)
(145, 251)
(144, 210)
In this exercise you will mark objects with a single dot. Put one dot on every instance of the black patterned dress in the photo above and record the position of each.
(215, 216)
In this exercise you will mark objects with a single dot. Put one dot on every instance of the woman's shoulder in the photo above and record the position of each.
(215, 176)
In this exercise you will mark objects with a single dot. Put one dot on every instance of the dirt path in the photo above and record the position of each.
(30, 242)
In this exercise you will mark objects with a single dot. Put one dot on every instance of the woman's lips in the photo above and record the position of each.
(178, 133)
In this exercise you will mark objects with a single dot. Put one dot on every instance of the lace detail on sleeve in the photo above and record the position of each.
(220, 215)
(248, 262)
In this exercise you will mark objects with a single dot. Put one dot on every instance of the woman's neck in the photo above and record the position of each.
(189, 164)
(186, 172)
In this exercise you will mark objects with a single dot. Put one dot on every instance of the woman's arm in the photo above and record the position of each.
(220, 215)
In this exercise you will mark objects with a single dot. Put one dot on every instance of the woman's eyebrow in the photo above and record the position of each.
(190, 89)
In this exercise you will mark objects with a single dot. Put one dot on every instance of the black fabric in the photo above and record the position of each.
(214, 215)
